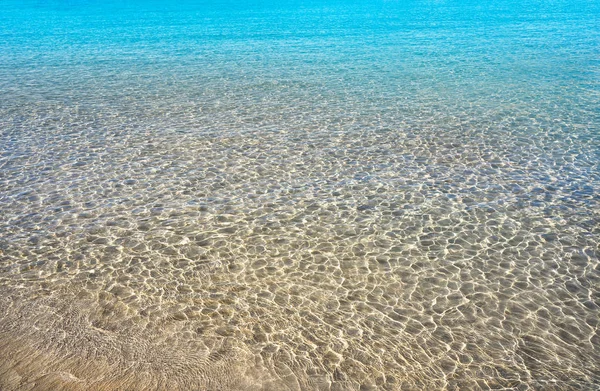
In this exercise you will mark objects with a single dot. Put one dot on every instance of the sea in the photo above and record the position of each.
(299, 195)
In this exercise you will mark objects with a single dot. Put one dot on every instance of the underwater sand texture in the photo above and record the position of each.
(385, 259)
(383, 196)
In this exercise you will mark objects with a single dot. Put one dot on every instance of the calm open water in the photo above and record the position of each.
(299, 195)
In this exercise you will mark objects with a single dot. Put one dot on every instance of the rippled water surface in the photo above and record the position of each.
(322, 195)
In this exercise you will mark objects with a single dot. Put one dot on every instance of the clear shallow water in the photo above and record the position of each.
(304, 196)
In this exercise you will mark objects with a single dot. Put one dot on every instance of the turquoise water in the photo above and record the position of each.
(316, 195)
